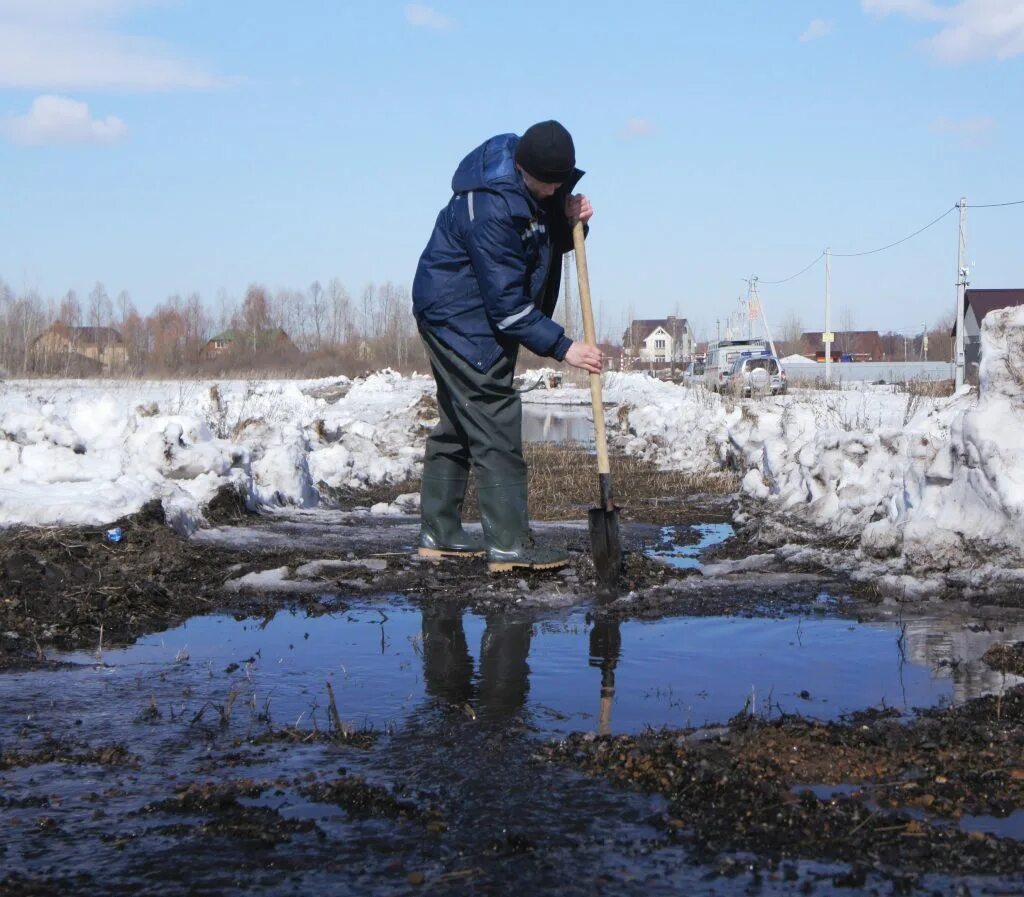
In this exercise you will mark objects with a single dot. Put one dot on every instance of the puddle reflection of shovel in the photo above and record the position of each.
(604, 519)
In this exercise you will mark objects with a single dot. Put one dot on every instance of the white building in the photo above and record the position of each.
(658, 340)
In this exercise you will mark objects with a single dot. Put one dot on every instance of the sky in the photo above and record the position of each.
(172, 146)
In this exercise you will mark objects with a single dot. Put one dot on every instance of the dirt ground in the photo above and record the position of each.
(901, 786)
(68, 587)
(751, 786)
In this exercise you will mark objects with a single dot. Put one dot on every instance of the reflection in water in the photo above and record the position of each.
(561, 670)
(687, 556)
(605, 648)
(504, 680)
(954, 646)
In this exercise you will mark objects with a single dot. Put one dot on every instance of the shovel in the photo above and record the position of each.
(604, 519)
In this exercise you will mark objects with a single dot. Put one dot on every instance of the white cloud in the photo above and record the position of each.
(54, 119)
(818, 28)
(970, 132)
(427, 17)
(968, 29)
(63, 10)
(71, 45)
(637, 127)
(982, 123)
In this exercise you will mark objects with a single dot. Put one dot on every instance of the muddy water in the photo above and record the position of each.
(686, 556)
(456, 704)
(545, 672)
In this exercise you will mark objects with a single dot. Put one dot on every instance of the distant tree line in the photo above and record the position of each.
(896, 346)
(328, 332)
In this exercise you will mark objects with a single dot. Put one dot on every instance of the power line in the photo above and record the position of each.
(931, 223)
(794, 276)
(995, 205)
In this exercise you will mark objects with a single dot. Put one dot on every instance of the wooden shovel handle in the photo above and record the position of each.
(589, 337)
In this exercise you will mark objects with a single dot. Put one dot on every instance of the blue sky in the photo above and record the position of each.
(164, 147)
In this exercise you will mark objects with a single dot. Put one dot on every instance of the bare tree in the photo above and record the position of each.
(255, 312)
(70, 313)
(317, 312)
(848, 327)
(342, 327)
(790, 332)
(101, 310)
(124, 307)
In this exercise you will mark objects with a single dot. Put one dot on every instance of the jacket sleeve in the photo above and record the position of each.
(561, 231)
(496, 253)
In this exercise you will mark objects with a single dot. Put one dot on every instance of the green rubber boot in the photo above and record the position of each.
(504, 514)
(441, 532)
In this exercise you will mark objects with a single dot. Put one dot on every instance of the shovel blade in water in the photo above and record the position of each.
(607, 547)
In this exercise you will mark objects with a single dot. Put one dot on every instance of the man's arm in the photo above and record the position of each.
(496, 253)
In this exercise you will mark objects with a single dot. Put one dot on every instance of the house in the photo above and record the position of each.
(78, 350)
(849, 345)
(612, 355)
(977, 304)
(273, 340)
(658, 340)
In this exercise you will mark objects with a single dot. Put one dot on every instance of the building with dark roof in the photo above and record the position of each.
(977, 304)
(849, 345)
(76, 351)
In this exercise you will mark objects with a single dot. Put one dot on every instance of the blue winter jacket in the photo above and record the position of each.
(489, 277)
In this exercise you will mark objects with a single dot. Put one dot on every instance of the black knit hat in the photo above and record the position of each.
(546, 151)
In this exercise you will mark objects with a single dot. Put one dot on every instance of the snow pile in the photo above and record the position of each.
(973, 500)
(920, 485)
(88, 452)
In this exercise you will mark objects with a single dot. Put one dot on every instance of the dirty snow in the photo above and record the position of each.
(926, 491)
(90, 451)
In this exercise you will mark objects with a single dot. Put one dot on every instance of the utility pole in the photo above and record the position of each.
(755, 298)
(828, 336)
(961, 289)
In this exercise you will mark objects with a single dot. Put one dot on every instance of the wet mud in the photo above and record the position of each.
(900, 787)
(340, 733)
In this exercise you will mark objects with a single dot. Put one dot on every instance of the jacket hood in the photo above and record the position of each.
(492, 166)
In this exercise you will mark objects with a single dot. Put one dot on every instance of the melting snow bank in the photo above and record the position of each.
(919, 492)
(78, 452)
(929, 492)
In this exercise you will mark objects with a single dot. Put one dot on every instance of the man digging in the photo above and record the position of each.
(487, 283)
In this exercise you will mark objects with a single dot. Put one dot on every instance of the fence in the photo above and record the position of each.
(871, 371)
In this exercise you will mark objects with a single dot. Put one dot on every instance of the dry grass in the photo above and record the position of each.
(563, 484)
(927, 388)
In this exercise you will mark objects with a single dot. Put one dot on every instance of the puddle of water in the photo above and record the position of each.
(685, 557)
(826, 792)
(1011, 826)
(557, 674)
(464, 697)
(556, 423)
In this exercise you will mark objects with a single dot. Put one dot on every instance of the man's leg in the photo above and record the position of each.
(443, 485)
(487, 408)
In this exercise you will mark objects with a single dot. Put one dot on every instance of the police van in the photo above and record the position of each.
(723, 353)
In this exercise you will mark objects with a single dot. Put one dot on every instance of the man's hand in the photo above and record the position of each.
(578, 206)
(585, 357)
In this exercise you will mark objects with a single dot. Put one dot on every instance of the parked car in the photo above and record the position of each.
(756, 375)
(722, 355)
(694, 373)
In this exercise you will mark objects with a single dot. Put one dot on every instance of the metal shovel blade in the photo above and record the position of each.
(607, 547)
